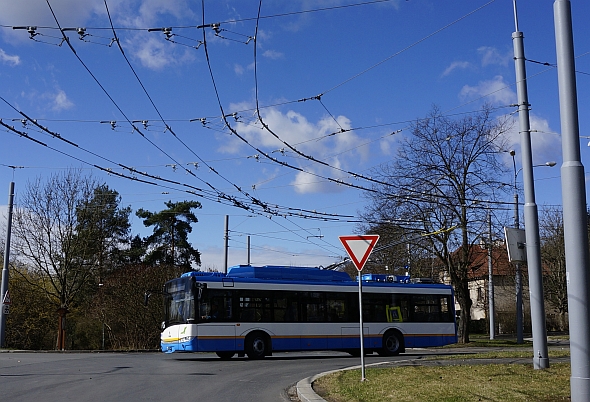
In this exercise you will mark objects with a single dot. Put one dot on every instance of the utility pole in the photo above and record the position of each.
(4, 288)
(248, 246)
(531, 215)
(573, 191)
(518, 274)
(490, 281)
(226, 241)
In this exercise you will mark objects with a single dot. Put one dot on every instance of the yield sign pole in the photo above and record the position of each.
(359, 249)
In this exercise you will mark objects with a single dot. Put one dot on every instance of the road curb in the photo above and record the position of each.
(305, 390)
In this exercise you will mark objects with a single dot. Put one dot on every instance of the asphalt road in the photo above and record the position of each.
(53, 376)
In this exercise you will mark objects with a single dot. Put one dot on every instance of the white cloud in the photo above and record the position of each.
(239, 69)
(491, 56)
(8, 59)
(271, 54)
(150, 48)
(263, 35)
(152, 52)
(495, 91)
(323, 140)
(386, 143)
(150, 10)
(305, 183)
(545, 142)
(456, 65)
(56, 101)
(61, 101)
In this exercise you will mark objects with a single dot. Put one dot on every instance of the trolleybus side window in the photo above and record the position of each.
(313, 306)
(429, 308)
(337, 306)
(399, 308)
(216, 305)
(254, 306)
(374, 307)
(285, 307)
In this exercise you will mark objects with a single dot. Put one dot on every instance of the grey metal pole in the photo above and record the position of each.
(574, 207)
(4, 287)
(518, 281)
(248, 246)
(490, 281)
(361, 333)
(226, 241)
(518, 273)
(531, 216)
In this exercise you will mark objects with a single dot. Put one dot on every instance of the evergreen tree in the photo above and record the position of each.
(169, 242)
(105, 227)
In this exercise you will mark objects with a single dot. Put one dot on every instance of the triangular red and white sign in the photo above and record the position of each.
(359, 247)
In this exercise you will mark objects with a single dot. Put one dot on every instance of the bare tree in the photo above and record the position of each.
(553, 258)
(440, 176)
(46, 243)
(119, 305)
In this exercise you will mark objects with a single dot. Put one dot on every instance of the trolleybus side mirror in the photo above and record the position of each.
(148, 294)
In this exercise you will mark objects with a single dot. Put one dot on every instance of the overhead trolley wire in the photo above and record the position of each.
(239, 203)
(162, 118)
(227, 123)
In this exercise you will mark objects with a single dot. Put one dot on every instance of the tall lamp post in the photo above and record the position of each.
(518, 273)
(573, 188)
(531, 217)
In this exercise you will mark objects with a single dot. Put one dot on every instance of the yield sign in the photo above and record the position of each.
(359, 248)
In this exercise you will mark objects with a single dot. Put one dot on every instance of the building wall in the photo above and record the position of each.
(504, 303)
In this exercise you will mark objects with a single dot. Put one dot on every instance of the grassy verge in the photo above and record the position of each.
(500, 354)
(455, 383)
(479, 340)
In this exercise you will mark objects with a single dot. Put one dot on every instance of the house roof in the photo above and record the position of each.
(478, 267)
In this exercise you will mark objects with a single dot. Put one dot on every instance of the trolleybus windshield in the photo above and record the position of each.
(179, 301)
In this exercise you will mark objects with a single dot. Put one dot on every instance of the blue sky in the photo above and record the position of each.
(376, 65)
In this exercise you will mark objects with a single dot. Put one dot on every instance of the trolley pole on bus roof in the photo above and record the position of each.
(359, 248)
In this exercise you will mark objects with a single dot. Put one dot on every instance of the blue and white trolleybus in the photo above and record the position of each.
(255, 311)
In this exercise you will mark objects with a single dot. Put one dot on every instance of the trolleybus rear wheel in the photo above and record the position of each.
(256, 345)
(393, 343)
